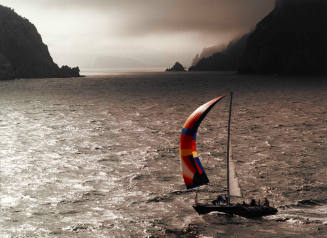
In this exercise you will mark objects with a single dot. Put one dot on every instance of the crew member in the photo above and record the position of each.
(266, 203)
(253, 203)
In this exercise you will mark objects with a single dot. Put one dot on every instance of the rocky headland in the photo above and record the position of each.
(225, 60)
(291, 40)
(22, 51)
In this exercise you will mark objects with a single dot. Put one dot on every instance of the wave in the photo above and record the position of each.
(306, 203)
(312, 211)
(171, 195)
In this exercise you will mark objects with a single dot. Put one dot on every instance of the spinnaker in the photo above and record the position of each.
(193, 172)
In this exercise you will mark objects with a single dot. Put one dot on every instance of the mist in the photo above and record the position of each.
(149, 33)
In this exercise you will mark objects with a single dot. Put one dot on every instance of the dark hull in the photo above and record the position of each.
(240, 210)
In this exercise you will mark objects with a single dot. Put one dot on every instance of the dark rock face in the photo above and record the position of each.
(292, 39)
(225, 60)
(6, 70)
(22, 52)
(207, 52)
(66, 71)
(177, 67)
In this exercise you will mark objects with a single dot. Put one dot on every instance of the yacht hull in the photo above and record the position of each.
(240, 210)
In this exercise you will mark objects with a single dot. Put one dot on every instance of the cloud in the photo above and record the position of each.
(137, 17)
(204, 17)
(78, 30)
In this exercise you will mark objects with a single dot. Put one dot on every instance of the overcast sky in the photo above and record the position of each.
(148, 32)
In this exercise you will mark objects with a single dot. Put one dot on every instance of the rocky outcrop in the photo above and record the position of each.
(178, 67)
(226, 60)
(22, 52)
(290, 40)
(66, 71)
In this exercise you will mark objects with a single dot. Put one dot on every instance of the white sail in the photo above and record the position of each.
(234, 186)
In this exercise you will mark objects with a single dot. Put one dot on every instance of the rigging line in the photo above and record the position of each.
(220, 122)
(225, 110)
(206, 163)
(228, 146)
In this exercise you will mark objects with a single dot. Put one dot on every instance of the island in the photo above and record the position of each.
(178, 67)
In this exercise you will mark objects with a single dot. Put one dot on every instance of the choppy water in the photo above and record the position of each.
(98, 156)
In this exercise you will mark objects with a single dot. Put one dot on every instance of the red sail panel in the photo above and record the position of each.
(193, 172)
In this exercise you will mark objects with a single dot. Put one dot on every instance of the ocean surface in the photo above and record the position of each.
(99, 156)
(117, 71)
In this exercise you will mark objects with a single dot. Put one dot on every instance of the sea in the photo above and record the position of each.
(98, 156)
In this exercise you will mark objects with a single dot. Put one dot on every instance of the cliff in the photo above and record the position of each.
(207, 52)
(22, 52)
(292, 39)
(224, 60)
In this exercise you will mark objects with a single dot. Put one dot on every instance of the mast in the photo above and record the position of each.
(228, 144)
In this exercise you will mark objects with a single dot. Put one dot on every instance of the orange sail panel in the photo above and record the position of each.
(193, 172)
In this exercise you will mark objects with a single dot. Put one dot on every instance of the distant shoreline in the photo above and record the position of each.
(96, 73)
(118, 71)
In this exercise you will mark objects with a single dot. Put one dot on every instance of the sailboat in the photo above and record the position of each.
(194, 174)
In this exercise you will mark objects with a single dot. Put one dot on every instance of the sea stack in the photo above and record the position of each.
(22, 51)
(178, 67)
(290, 40)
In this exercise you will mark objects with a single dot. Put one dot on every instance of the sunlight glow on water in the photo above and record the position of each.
(97, 157)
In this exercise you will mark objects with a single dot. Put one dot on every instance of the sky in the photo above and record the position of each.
(137, 33)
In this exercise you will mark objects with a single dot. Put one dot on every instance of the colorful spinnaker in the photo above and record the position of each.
(193, 172)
